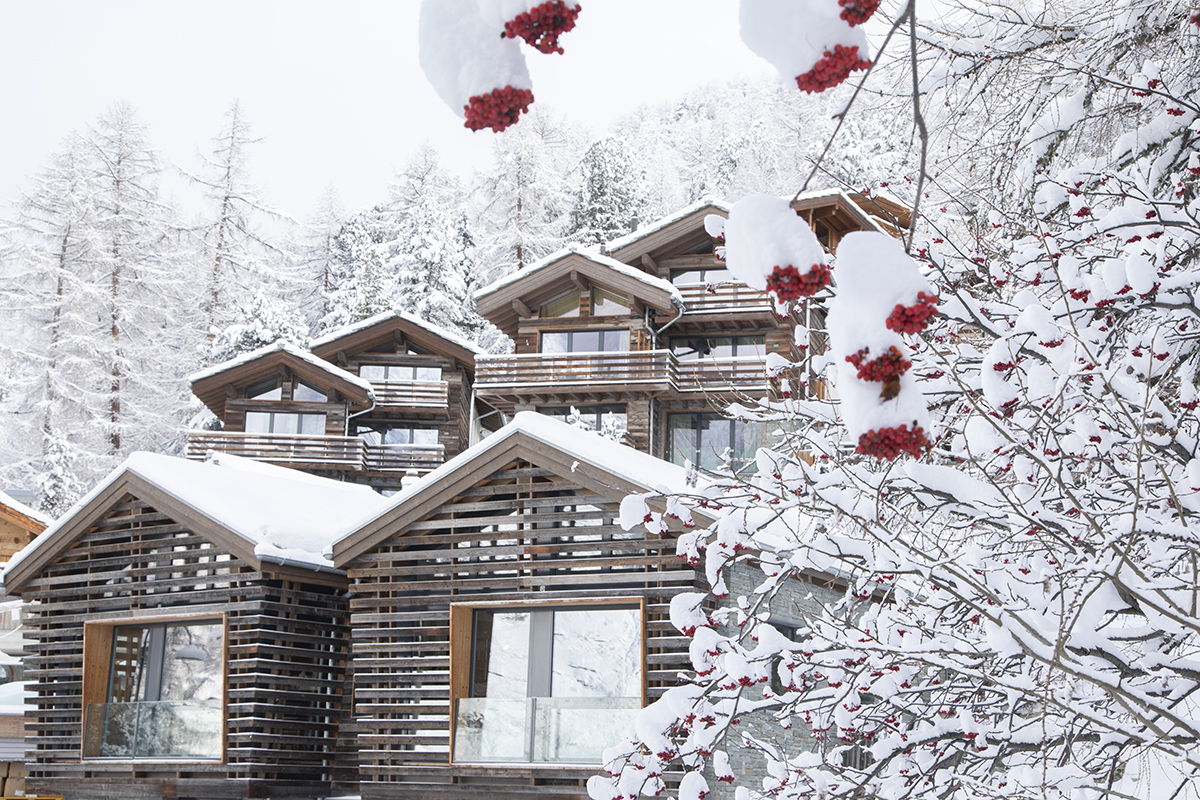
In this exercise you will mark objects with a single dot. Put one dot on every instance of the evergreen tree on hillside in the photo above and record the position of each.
(608, 200)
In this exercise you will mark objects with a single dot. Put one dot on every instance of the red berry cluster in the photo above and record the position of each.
(856, 12)
(498, 109)
(887, 443)
(889, 365)
(832, 69)
(1196, 19)
(788, 284)
(915, 318)
(541, 25)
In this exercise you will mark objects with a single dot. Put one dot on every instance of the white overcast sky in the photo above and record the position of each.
(332, 87)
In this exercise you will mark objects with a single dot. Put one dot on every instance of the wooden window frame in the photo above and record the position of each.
(462, 617)
(97, 667)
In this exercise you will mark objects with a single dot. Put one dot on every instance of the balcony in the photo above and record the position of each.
(648, 372)
(724, 298)
(338, 453)
(418, 395)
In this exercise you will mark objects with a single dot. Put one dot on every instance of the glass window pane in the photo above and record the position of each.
(682, 437)
(304, 393)
(720, 347)
(687, 277)
(614, 341)
(715, 436)
(258, 422)
(428, 373)
(192, 664)
(689, 348)
(751, 347)
(373, 372)
(312, 424)
(265, 390)
(597, 653)
(585, 341)
(606, 303)
(370, 435)
(501, 668)
(565, 306)
(425, 436)
(285, 423)
(554, 342)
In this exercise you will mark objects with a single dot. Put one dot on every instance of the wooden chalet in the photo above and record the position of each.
(188, 637)
(655, 336)
(369, 403)
(504, 626)
(19, 525)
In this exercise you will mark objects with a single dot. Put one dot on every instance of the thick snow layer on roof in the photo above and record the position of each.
(291, 350)
(371, 322)
(652, 474)
(21, 508)
(287, 515)
(656, 226)
(591, 255)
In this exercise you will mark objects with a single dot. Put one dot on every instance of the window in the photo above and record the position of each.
(691, 348)
(270, 389)
(586, 341)
(702, 438)
(545, 684)
(606, 304)
(380, 373)
(381, 433)
(285, 422)
(700, 276)
(596, 417)
(162, 693)
(307, 394)
(565, 306)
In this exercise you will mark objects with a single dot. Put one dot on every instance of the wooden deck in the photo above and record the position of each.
(340, 453)
(723, 297)
(394, 395)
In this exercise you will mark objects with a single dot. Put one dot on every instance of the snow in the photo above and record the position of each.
(287, 515)
(665, 222)
(21, 508)
(765, 232)
(793, 35)
(591, 255)
(13, 696)
(413, 319)
(463, 56)
(291, 350)
(874, 275)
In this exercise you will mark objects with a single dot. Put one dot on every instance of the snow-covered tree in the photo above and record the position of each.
(1014, 614)
(608, 202)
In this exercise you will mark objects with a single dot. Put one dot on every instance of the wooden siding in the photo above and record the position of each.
(522, 533)
(286, 665)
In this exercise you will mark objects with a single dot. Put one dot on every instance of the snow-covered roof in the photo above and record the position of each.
(24, 510)
(292, 350)
(592, 255)
(370, 322)
(640, 471)
(286, 516)
(666, 222)
(820, 197)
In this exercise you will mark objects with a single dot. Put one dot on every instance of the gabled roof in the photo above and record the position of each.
(209, 384)
(22, 515)
(563, 271)
(258, 512)
(610, 469)
(677, 233)
(837, 203)
(367, 333)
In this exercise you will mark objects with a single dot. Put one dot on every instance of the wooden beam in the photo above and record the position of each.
(522, 309)
(230, 392)
(341, 359)
(580, 280)
(649, 263)
(636, 307)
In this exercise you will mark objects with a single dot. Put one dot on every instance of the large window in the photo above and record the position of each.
(383, 433)
(603, 417)
(611, 341)
(702, 438)
(565, 306)
(700, 276)
(285, 422)
(546, 684)
(608, 304)
(692, 348)
(380, 373)
(162, 693)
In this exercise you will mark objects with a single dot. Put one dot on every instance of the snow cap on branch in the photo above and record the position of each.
(765, 235)
(538, 22)
(804, 39)
(482, 76)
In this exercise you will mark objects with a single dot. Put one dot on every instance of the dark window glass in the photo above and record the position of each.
(596, 417)
(703, 437)
(610, 341)
(277, 422)
(565, 306)
(691, 348)
(269, 389)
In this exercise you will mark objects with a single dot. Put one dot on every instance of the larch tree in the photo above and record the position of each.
(608, 201)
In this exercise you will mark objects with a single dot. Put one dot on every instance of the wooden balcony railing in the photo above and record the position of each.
(723, 297)
(412, 394)
(403, 457)
(651, 368)
(717, 374)
(280, 448)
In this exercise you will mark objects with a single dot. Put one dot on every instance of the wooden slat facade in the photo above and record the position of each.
(286, 660)
(522, 533)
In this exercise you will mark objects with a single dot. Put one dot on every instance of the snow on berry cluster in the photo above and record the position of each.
(856, 12)
(541, 25)
(764, 241)
(914, 318)
(498, 109)
(884, 411)
(468, 54)
(815, 41)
